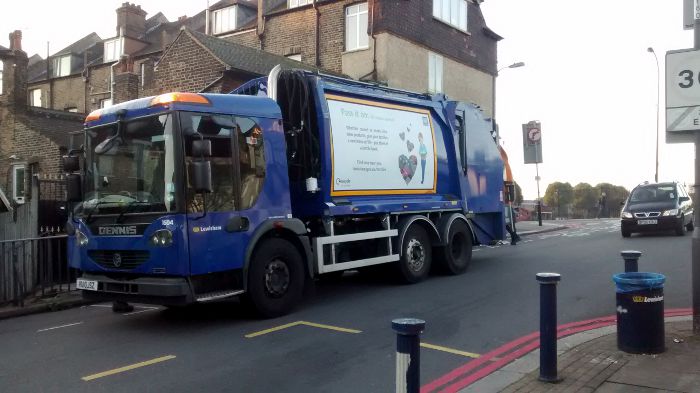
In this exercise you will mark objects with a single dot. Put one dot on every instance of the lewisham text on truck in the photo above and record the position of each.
(185, 198)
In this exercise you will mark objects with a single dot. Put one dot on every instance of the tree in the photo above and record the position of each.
(559, 195)
(585, 201)
(615, 195)
(518, 194)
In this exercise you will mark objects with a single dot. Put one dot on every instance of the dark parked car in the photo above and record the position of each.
(657, 207)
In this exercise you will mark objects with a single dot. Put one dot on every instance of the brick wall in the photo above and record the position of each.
(98, 86)
(68, 92)
(248, 38)
(185, 66)
(126, 87)
(414, 21)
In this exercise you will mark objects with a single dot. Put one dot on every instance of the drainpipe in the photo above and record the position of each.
(374, 49)
(318, 33)
(111, 68)
(207, 20)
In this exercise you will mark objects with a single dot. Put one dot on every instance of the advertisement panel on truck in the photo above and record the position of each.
(380, 148)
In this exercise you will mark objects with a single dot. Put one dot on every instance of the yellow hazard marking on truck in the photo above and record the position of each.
(127, 368)
(305, 323)
(450, 350)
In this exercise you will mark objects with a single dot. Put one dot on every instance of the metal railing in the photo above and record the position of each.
(33, 268)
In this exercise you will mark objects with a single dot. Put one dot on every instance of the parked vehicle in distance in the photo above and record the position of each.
(657, 207)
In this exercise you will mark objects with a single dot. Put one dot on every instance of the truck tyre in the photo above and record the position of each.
(455, 257)
(416, 257)
(275, 278)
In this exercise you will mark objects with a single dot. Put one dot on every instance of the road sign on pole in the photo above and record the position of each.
(682, 95)
(532, 142)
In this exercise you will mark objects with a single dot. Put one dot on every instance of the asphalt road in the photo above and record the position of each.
(340, 339)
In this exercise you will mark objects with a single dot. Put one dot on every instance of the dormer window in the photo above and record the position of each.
(224, 20)
(452, 12)
(113, 49)
(61, 66)
(297, 3)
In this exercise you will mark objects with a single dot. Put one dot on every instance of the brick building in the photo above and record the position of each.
(32, 139)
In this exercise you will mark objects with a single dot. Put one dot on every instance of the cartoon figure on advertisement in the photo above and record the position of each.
(423, 151)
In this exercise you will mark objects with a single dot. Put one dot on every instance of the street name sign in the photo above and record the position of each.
(682, 95)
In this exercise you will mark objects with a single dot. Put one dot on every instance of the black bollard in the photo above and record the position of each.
(408, 332)
(548, 326)
(631, 258)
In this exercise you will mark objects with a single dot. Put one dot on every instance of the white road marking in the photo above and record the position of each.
(59, 327)
(139, 312)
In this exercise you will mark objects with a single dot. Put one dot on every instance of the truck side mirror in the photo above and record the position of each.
(70, 163)
(74, 187)
(201, 172)
(201, 148)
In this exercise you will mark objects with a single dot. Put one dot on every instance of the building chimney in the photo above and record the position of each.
(132, 19)
(16, 40)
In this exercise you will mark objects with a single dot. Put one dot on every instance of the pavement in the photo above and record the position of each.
(588, 357)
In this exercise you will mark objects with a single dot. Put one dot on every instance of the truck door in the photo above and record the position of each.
(217, 230)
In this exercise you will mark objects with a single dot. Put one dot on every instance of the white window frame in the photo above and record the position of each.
(18, 194)
(224, 20)
(435, 73)
(105, 103)
(359, 12)
(298, 3)
(35, 97)
(296, 56)
(113, 49)
(453, 12)
(61, 66)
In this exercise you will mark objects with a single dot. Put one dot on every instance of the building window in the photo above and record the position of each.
(296, 57)
(452, 12)
(224, 20)
(434, 73)
(35, 97)
(356, 36)
(61, 66)
(18, 183)
(72, 110)
(113, 49)
(297, 3)
(106, 103)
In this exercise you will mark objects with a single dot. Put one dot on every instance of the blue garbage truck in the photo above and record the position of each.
(194, 197)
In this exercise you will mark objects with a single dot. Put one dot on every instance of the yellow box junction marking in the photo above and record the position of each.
(127, 368)
(450, 350)
(297, 323)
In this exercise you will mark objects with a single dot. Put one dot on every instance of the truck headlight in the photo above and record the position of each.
(81, 238)
(672, 212)
(162, 238)
(626, 215)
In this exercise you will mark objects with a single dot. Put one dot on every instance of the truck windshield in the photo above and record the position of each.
(136, 174)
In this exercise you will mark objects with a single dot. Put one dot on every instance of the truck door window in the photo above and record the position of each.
(195, 126)
(459, 123)
(251, 153)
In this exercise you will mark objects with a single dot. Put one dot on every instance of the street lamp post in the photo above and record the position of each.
(493, 103)
(656, 171)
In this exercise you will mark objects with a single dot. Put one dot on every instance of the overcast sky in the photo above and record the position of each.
(588, 77)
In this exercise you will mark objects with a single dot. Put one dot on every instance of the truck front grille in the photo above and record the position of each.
(119, 259)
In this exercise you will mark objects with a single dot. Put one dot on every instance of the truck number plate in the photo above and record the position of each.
(87, 285)
(647, 222)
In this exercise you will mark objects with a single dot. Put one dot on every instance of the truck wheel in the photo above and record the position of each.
(416, 257)
(275, 278)
(455, 257)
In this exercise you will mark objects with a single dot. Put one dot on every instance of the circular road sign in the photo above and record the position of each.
(534, 135)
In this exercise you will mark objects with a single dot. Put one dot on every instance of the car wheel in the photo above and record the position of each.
(416, 257)
(455, 256)
(275, 278)
(680, 229)
(626, 233)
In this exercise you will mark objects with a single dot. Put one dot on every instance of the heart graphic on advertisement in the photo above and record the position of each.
(407, 166)
(402, 136)
(410, 146)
